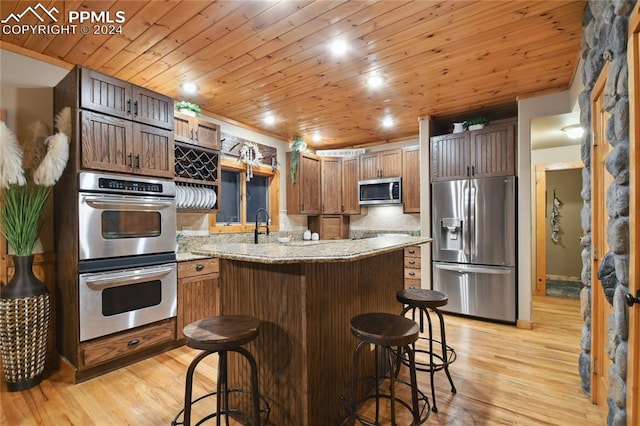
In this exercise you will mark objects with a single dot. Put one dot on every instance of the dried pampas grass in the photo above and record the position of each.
(34, 148)
(63, 122)
(10, 158)
(51, 168)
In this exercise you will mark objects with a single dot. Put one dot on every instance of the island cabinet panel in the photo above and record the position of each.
(304, 347)
(331, 185)
(198, 292)
(303, 195)
(350, 177)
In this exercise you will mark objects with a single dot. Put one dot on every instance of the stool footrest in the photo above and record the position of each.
(233, 413)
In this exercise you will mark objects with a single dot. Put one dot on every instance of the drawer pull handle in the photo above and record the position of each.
(412, 251)
(133, 342)
(199, 267)
(412, 273)
(412, 262)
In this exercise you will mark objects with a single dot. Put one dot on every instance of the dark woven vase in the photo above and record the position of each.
(24, 321)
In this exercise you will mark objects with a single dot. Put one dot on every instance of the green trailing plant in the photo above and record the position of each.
(474, 121)
(188, 106)
(27, 175)
(297, 146)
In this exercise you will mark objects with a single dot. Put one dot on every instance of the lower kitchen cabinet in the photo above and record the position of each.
(412, 267)
(198, 291)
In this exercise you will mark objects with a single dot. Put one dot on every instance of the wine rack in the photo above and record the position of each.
(197, 167)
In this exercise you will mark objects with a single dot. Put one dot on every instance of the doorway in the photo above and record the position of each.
(558, 230)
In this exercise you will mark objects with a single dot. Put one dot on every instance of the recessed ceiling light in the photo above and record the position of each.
(189, 87)
(375, 81)
(339, 47)
(316, 137)
(387, 122)
(269, 119)
(574, 131)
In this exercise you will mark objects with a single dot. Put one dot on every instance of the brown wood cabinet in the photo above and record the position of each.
(198, 291)
(411, 179)
(350, 178)
(331, 185)
(381, 164)
(121, 127)
(112, 96)
(303, 196)
(412, 267)
(330, 227)
(196, 131)
(117, 145)
(480, 153)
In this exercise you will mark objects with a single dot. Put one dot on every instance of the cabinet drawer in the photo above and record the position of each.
(109, 348)
(412, 251)
(412, 283)
(411, 273)
(198, 267)
(412, 262)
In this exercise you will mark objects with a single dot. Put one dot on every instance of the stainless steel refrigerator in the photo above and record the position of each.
(474, 246)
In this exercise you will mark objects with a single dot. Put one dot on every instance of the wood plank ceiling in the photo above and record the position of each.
(447, 59)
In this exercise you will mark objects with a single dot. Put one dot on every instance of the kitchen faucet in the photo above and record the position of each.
(256, 232)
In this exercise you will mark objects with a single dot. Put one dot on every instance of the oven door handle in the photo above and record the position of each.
(128, 204)
(125, 278)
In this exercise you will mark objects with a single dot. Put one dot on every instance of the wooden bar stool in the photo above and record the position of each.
(440, 356)
(221, 335)
(388, 332)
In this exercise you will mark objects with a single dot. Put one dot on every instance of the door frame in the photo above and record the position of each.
(633, 355)
(540, 286)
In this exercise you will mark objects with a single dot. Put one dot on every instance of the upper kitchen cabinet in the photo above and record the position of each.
(303, 196)
(196, 131)
(331, 185)
(109, 95)
(350, 177)
(120, 127)
(480, 153)
(381, 164)
(117, 145)
(411, 179)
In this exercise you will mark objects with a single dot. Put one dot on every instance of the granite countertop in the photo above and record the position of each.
(297, 251)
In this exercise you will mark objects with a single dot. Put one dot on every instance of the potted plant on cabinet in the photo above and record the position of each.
(27, 175)
(188, 108)
(475, 123)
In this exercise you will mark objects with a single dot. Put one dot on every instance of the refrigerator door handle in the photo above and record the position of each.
(473, 250)
(466, 227)
(474, 269)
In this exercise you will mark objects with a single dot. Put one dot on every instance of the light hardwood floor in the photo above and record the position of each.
(504, 376)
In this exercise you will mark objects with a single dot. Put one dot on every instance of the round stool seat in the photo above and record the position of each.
(384, 329)
(422, 297)
(221, 333)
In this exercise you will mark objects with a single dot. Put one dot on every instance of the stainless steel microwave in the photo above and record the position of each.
(380, 191)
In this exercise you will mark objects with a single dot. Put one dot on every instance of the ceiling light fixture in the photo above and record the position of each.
(339, 47)
(189, 87)
(375, 81)
(574, 131)
(270, 119)
(387, 122)
(316, 137)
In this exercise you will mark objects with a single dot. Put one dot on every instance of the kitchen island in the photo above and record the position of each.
(305, 294)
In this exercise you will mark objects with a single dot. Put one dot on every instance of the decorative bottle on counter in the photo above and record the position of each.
(307, 235)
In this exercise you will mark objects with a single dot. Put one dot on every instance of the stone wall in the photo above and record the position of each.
(604, 39)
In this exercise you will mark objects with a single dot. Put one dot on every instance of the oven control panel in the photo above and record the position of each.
(129, 185)
(125, 184)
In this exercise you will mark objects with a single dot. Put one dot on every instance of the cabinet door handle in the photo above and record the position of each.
(130, 159)
(138, 161)
(196, 139)
(199, 267)
(135, 108)
(191, 134)
(473, 170)
(468, 171)
(301, 207)
(129, 107)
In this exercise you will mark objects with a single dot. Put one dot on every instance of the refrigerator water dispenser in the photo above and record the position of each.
(451, 233)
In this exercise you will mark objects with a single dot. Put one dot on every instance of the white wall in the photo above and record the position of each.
(528, 109)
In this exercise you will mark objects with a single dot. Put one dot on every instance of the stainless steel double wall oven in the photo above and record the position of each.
(126, 252)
